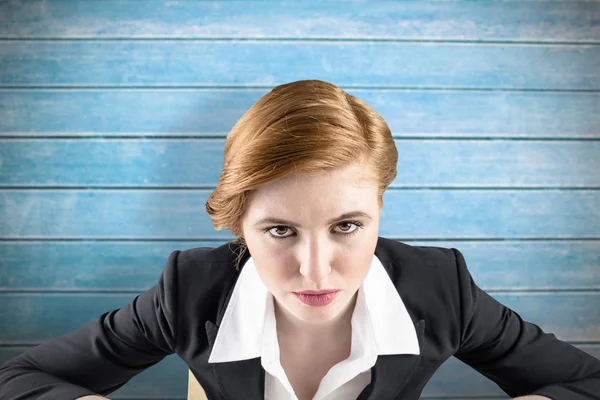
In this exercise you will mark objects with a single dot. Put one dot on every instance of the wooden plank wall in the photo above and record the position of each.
(112, 123)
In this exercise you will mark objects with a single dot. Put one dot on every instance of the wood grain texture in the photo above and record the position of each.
(148, 112)
(136, 266)
(452, 377)
(247, 63)
(39, 317)
(448, 20)
(416, 214)
(188, 162)
(35, 317)
(113, 115)
(167, 379)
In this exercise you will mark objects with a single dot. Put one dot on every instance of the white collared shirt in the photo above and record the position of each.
(380, 325)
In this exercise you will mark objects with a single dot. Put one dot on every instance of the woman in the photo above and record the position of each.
(309, 302)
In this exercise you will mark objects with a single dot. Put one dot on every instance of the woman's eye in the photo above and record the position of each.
(344, 228)
(278, 231)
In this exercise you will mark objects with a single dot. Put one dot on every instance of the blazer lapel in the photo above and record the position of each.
(239, 379)
(245, 379)
(391, 372)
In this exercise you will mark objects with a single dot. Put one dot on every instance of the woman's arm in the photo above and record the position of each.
(517, 355)
(103, 355)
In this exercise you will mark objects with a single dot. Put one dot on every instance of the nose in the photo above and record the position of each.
(314, 264)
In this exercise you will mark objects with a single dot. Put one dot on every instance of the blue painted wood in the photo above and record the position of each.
(147, 112)
(115, 265)
(168, 378)
(389, 34)
(416, 214)
(33, 317)
(576, 315)
(454, 378)
(524, 265)
(180, 162)
(247, 63)
(448, 20)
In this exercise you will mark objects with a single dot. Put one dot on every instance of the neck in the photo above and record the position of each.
(289, 326)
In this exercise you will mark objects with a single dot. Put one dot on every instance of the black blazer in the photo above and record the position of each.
(182, 312)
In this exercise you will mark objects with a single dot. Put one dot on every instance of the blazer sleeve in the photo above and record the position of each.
(518, 355)
(100, 356)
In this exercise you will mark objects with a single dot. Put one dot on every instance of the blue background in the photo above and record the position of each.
(113, 116)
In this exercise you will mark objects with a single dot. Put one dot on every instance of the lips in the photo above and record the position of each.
(315, 298)
(317, 292)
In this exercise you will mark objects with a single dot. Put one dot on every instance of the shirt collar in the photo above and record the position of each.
(250, 312)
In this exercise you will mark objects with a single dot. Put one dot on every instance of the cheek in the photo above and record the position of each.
(272, 270)
(357, 261)
(355, 270)
(276, 280)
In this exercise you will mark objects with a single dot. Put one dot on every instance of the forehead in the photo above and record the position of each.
(325, 192)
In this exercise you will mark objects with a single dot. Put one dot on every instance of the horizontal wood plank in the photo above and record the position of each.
(416, 214)
(448, 20)
(147, 112)
(457, 379)
(168, 378)
(181, 162)
(136, 266)
(33, 317)
(153, 92)
(223, 64)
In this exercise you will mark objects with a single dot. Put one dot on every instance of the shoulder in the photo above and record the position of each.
(207, 263)
(418, 262)
(202, 279)
(426, 278)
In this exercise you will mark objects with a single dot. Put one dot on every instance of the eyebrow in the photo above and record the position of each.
(348, 215)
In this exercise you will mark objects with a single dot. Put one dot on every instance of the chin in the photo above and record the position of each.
(315, 317)
(318, 314)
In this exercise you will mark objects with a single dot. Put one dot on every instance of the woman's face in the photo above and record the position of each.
(308, 244)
